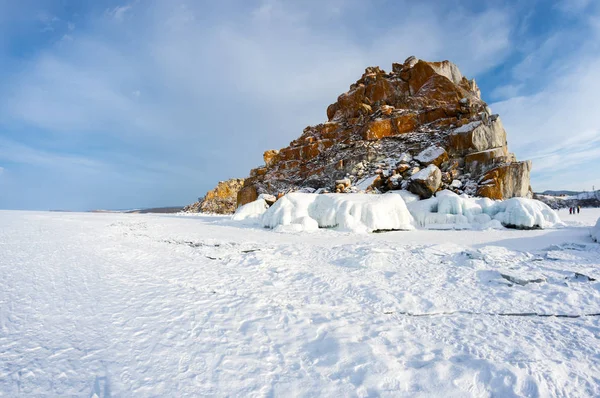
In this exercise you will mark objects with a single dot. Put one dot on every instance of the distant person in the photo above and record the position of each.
(570, 210)
(578, 209)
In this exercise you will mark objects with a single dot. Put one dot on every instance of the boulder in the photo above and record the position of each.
(477, 136)
(426, 182)
(403, 168)
(377, 129)
(419, 74)
(433, 155)
(448, 70)
(406, 123)
(246, 195)
(506, 181)
(478, 161)
(349, 105)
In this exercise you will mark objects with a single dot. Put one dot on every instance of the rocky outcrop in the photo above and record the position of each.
(221, 200)
(506, 181)
(387, 128)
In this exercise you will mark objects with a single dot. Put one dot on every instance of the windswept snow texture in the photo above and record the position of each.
(400, 210)
(175, 306)
(596, 231)
(347, 212)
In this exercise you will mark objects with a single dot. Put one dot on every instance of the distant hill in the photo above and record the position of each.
(562, 199)
(159, 210)
(560, 193)
(154, 210)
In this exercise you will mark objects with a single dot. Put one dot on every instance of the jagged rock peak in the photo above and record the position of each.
(387, 128)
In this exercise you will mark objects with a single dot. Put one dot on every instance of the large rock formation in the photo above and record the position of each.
(387, 128)
(221, 200)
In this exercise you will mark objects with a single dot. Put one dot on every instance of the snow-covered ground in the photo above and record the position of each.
(147, 305)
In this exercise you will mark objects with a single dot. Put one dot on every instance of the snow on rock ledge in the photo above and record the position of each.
(596, 232)
(349, 212)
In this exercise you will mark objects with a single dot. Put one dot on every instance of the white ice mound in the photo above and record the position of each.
(525, 213)
(251, 212)
(349, 212)
(397, 210)
(596, 232)
(448, 210)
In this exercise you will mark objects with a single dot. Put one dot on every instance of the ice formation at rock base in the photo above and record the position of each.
(396, 210)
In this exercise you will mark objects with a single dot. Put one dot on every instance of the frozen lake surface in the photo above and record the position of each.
(155, 305)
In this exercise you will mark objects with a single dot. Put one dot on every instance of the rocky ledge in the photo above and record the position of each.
(422, 127)
(221, 200)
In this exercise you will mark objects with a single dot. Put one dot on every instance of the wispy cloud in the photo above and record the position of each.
(559, 127)
(14, 152)
(119, 12)
(194, 93)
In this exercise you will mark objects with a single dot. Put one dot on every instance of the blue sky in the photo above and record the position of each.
(123, 104)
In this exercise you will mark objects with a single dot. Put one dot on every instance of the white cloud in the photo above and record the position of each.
(507, 91)
(573, 6)
(14, 152)
(279, 67)
(559, 127)
(48, 21)
(118, 13)
(220, 85)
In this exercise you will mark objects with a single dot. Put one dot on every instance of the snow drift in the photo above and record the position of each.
(251, 212)
(397, 210)
(349, 212)
(596, 232)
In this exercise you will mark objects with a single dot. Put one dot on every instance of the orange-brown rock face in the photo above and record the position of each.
(269, 157)
(380, 129)
(506, 181)
(246, 195)
(221, 200)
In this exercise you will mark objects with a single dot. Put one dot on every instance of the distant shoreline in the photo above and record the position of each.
(153, 210)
